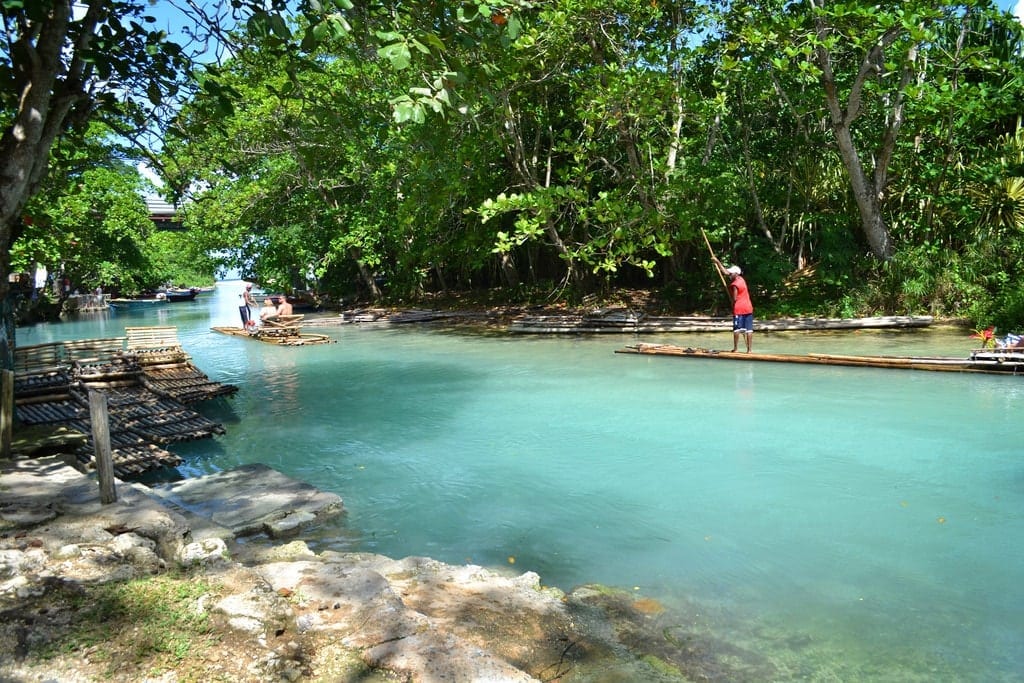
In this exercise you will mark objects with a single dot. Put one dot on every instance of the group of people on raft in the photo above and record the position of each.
(268, 313)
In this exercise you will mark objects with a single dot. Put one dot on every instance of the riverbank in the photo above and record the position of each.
(135, 590)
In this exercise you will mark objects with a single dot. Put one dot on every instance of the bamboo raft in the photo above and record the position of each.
(384, 316)
(167, 370)
(996, 362)
(287, 333)
(148, 380)
(623, 320)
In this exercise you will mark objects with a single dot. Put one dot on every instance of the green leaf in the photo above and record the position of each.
(396, 53)
(154, 93)
(279, 28)
(420, 46)
(404, 110)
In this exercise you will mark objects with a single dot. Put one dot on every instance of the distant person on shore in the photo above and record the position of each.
(245, 309)
(742, 307)
(284, 308)
(269, 311)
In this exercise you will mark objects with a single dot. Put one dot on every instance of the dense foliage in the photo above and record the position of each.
(89, 224)
(853, 157)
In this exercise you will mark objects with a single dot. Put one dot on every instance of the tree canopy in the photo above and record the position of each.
(855, 158)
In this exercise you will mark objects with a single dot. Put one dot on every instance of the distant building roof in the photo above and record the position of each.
(158, 207)
(163, 214)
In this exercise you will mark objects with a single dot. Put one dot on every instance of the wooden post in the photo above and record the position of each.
(6, 412)
(100, 420)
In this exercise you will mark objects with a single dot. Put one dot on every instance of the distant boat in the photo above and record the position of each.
(140, 304)
(174, 295)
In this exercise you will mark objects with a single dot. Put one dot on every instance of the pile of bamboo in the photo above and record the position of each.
(147, 387)
(638, 323)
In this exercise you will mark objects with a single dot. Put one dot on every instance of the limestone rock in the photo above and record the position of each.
(209, 551)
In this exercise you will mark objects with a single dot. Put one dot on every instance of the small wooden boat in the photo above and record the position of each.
(174, 295)
(139, 304)
(999, 362)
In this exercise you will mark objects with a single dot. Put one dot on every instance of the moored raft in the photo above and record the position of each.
(628, 321)
(147, 409)
(997, 362)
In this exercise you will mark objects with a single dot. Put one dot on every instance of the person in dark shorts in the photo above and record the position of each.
(742, 307)
(245, 309)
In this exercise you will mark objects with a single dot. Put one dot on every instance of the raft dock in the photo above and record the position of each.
(149, 381)
(627, 321)
(997, 362)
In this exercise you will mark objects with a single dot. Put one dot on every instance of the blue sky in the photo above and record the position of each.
(1015, 6)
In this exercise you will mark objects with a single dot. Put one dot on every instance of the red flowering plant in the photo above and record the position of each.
(987, 337)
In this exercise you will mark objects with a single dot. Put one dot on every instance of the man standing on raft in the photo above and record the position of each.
(742, 308)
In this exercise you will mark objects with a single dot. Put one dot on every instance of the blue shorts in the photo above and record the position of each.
(743, 323)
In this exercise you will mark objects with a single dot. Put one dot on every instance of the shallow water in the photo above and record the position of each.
(842, 523)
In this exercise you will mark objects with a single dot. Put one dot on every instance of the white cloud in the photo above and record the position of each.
(1019, 11)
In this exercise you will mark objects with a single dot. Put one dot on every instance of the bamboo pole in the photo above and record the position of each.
(713, 258)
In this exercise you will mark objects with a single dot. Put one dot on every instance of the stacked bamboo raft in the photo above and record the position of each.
(979, 361)
(147, 386)
(387, 317)
(285, 330)
(167, 370)
(622, 320)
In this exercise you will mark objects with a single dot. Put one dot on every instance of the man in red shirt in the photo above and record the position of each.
(742, 308)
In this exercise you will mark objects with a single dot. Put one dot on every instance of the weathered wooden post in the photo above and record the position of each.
(6, 412)
(100, 420)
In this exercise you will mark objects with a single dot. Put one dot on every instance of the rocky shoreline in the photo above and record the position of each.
(279, 611)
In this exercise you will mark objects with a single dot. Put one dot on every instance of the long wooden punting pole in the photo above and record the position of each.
(712, 252)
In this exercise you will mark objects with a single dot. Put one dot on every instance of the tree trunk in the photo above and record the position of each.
(867, 189)
(368, 279)
(876, 231)
(508, 270)
(751, 180)
(43, 105)
(526, 167)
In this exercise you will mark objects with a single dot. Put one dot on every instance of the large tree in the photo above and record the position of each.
(63, 64)
(872, 65)
(66, 62)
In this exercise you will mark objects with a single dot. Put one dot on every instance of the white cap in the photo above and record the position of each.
(735, 270)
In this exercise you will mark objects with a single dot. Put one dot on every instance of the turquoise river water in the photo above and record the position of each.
(843, 524)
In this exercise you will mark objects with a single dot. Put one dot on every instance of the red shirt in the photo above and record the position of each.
(741, 304)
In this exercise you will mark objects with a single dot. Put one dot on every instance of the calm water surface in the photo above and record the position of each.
(842, 523)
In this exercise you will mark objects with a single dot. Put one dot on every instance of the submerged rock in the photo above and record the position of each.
(282, 611)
